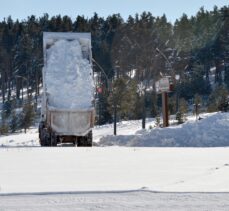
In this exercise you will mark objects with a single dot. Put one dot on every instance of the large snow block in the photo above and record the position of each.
(67, 72)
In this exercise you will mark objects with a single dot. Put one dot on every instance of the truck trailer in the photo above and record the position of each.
(67, 110)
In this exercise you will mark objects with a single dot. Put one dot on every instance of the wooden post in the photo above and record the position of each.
(165, 109)
(144, 112)
(115, 118)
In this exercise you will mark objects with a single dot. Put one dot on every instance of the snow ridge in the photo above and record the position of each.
(208, 132)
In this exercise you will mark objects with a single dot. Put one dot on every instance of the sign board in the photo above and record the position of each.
(164, 85)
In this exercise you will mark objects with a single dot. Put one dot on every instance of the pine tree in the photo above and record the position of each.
(124, 97)
(192, 45)
(14, 122)
(218, 98)
(28, 114)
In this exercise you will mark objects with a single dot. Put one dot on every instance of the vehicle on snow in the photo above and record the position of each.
(67, 112)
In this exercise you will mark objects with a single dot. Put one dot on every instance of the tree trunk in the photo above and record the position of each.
(9, 89)
(3, 86)
(218, 73)
(207, 70)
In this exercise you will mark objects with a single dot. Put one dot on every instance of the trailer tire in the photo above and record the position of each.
(53, 140)
(89, 139)
(41, 137)
(85, 141)
(44, 137)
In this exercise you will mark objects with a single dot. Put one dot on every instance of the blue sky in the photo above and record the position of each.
(173, 9)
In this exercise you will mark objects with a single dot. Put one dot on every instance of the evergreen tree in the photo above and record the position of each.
(124, 97)
(183, 109)
(14, 122)
(28, 115)
(218, 98)
(194, 47)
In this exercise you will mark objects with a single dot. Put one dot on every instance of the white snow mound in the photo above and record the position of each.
(208, 132)
(68, 76)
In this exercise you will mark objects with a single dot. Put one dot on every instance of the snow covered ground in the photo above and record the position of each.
(132, 200)
(29, 139)
(211, 131)
(36, 169)
(114, 178)
(119, 178)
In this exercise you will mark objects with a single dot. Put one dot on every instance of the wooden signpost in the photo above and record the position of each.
(163, 86)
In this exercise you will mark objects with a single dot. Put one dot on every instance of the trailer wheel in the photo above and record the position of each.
(41, 136)
(47, 138)
(89, 139)
(44, 137)
(80, 141)
(85, 141)
(53, 140)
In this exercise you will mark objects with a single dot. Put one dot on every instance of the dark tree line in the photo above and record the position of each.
(131, 53)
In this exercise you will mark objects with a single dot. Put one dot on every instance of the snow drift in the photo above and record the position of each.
(208, 132)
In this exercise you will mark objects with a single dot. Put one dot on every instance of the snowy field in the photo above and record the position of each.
(114, 178)
(35, 169)
(118, 178)
(115, 201)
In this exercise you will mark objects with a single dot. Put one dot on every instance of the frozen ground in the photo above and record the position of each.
(133, 200)
(210, 131)
(36, 169)
(114, 178)
(29, 139)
